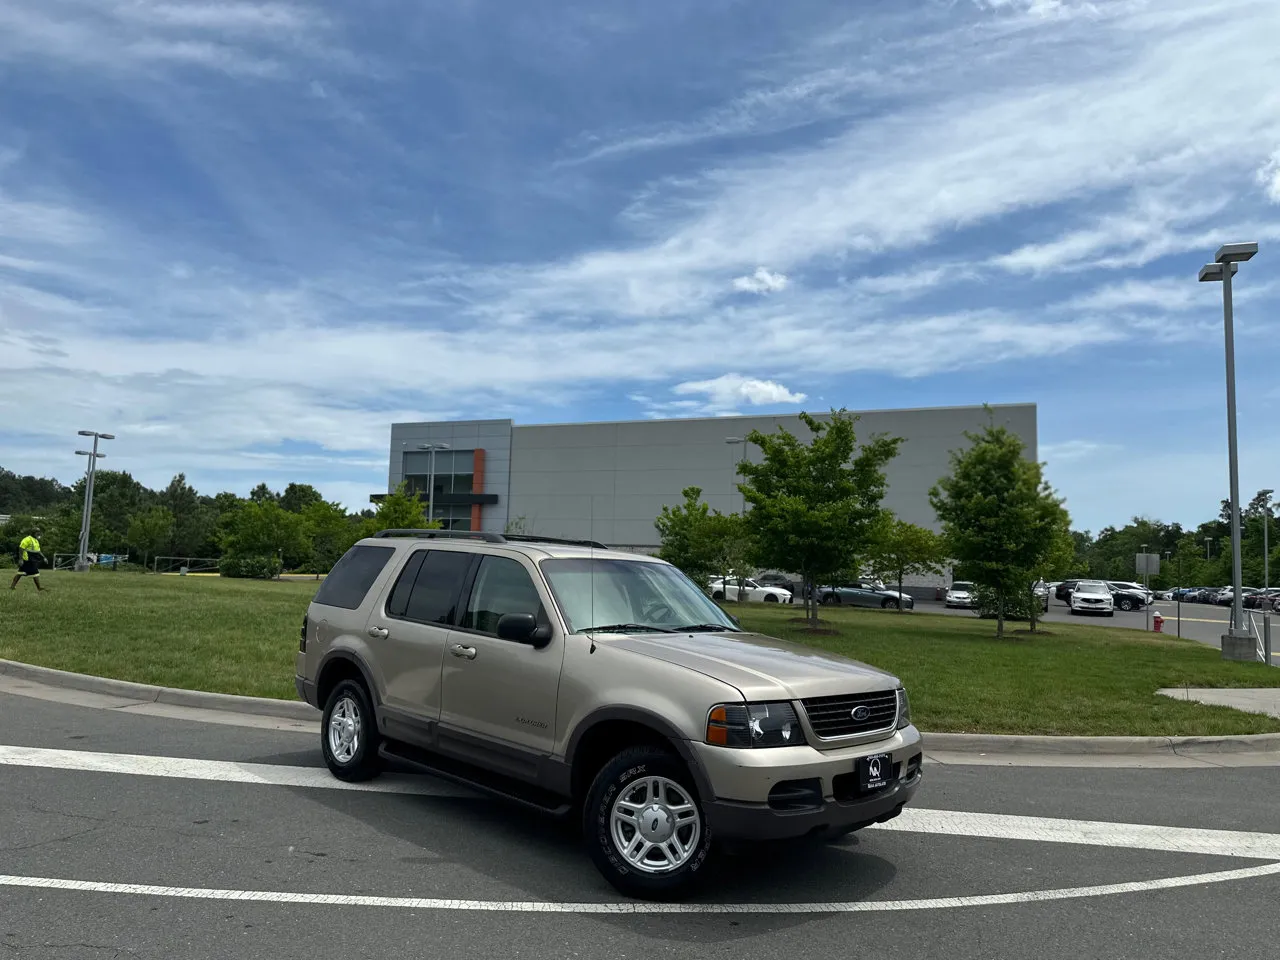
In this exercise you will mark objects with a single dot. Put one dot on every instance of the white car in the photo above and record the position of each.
(1093, 596)
(960, 594)
(731, 588)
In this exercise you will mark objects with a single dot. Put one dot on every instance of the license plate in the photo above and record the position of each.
(875, 772)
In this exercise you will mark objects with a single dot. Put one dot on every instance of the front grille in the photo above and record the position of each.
(832, 717)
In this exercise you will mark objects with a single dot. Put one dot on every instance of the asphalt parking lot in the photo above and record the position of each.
(146, 837)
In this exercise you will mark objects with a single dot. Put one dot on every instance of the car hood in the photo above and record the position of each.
(1091, 595)
(761, 667)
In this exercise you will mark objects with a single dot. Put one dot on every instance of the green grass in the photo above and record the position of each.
(239, 636)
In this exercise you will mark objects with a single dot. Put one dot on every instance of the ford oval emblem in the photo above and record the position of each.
(861, 713)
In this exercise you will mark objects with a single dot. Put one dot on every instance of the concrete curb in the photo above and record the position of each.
(146, 693)
(954, 743)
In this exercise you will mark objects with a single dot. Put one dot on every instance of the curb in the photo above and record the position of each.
(966, 743)
(145, 692)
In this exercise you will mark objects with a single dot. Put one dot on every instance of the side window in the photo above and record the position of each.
(502, 586)
(352, 576)
(434, 597)
(399, 599)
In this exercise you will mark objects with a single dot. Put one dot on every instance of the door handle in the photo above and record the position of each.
(379, 633)
(466, 653)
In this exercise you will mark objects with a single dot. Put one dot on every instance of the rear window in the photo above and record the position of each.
(352, 576)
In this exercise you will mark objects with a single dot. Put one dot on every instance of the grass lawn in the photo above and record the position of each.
(240, 636)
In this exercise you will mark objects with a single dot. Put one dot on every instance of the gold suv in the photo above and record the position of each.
(598, 684)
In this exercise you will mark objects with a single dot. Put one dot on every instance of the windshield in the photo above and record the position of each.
(962, 586)
(596, 593)
(1092, 586)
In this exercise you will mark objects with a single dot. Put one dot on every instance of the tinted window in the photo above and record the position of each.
(434, 597)
(399, 601)
(352, 576)
(502, 586)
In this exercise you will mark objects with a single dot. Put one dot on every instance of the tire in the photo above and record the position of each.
(1111, 613)
(890, 605)
(1074, 611)
(830, 599)
(718, 595)
(770, 598)
(352, 756)
(630, 775)
(1126, 605)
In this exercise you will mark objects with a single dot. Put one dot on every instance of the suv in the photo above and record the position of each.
(602, 685)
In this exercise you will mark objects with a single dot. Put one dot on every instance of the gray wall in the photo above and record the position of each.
(491, 436)
(608, 481)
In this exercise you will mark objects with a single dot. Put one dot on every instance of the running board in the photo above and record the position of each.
(505, 788)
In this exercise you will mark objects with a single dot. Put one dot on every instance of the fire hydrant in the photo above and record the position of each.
(1158, 622)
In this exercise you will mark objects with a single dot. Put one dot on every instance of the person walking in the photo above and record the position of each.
(29, 556)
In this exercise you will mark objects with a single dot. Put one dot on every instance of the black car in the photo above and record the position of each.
(778, 580)
(1063, 590)
(1126, 599)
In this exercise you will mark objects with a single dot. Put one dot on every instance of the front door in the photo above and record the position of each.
(499, 696)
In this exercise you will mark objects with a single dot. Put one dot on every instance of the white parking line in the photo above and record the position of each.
(639, 907)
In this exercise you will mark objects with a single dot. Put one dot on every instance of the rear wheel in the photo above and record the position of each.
(349, 733)
(1126, 604)
(718, 595)
(644, 826)
(830, 599)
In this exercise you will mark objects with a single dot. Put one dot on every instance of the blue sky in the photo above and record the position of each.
(247, 236)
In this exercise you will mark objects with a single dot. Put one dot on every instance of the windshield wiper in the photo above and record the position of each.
(626, 628)
(707, 628)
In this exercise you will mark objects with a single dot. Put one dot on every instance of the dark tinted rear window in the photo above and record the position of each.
(436, 590)
(352, 576)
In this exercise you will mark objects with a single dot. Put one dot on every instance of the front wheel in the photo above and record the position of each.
(770, 598)
(718, 595)
(349, 733)
(644, 826)
(830, 599)
(890, 604)
(1126, 605)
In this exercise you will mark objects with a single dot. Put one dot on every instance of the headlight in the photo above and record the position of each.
(904, 708)
(754, 725)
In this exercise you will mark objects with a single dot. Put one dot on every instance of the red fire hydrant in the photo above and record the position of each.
(1158, 622)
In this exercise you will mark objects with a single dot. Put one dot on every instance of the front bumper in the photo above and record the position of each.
(1092, 607)
(743, 780)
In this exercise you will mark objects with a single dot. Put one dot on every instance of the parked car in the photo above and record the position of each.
(781, 581)
(1128, 585)
(960, 595)
(1262, 599)
(1127, 599)
(602, 686)
(745, 589)
(1092, 596)
(1226, 595)
(864, 593)
(1063, 590)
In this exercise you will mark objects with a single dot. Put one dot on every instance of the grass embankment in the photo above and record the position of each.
(239, 636)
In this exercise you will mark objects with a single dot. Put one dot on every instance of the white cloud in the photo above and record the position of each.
(1269, 177)
(733, 389)
(1170, 294)
(1070, 450)
(762, 281)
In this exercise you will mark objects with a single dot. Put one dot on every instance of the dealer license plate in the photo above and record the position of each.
(875, 772)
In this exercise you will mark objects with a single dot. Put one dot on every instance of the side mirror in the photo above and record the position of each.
(523, 628)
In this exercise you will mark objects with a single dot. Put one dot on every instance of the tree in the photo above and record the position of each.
(903, 548)
(1001, 520)
(150, 531)
(688, 538)
(331, 534)
(298, 496)
(815, 507)
(265, 530)
(263, 494)
(400, 510)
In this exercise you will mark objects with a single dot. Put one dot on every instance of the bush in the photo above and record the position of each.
(250, 568)
(1016, 606)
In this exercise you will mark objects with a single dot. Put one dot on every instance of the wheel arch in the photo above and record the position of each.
(339, 665)
(606, 732)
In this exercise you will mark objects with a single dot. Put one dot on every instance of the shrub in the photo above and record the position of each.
(1016, 606)
(250, 568)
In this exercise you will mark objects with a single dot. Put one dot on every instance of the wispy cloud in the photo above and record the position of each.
(762, 281)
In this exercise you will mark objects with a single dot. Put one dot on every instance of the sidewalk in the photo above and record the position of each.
(1265, 700)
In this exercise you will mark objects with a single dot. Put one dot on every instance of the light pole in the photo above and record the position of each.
(431, 477)
(1237, 643)
(1266, 548)
(1177, 591)
(1146, 584)
(82, 561)
(1207, 541)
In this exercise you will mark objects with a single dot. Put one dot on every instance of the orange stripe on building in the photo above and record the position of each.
(477, 486)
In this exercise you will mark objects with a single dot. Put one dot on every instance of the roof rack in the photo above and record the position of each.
(436, 534)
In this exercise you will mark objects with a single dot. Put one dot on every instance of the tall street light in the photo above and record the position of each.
(431, 477)
(1266, 547)
(1237, 643)
(82, 561)
(741, 443)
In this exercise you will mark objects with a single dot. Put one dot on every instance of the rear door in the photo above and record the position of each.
(499, 696)
(411, 631)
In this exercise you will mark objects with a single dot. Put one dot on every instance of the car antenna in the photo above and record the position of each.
(591, 561)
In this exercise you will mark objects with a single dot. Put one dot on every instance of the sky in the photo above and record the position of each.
(246, 237)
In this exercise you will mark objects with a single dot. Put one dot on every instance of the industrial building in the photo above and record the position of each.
(608, 481)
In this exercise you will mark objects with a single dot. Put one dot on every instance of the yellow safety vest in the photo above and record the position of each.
(28, 546)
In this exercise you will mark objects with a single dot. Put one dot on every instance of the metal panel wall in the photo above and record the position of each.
(491, 436)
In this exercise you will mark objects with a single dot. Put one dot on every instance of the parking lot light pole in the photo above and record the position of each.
(1207, 541)
(1225, 264)
(82, 560)
(1266, 548)
(431, 478)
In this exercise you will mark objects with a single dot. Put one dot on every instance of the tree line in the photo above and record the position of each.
(257, 536)
(817, 511)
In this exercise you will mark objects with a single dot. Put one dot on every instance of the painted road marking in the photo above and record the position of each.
(995, 826)
(640, 907)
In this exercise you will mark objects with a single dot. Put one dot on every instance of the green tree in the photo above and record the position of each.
(331, 534)
(266, 530)
(815, 506)
(687, 532)
(150, 531)
(400, 510)
(1001, 520)
(263, 494)
(901, 549)
(298, 496)
(193, 522)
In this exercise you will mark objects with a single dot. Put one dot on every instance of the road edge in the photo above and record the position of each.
(954, 743)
